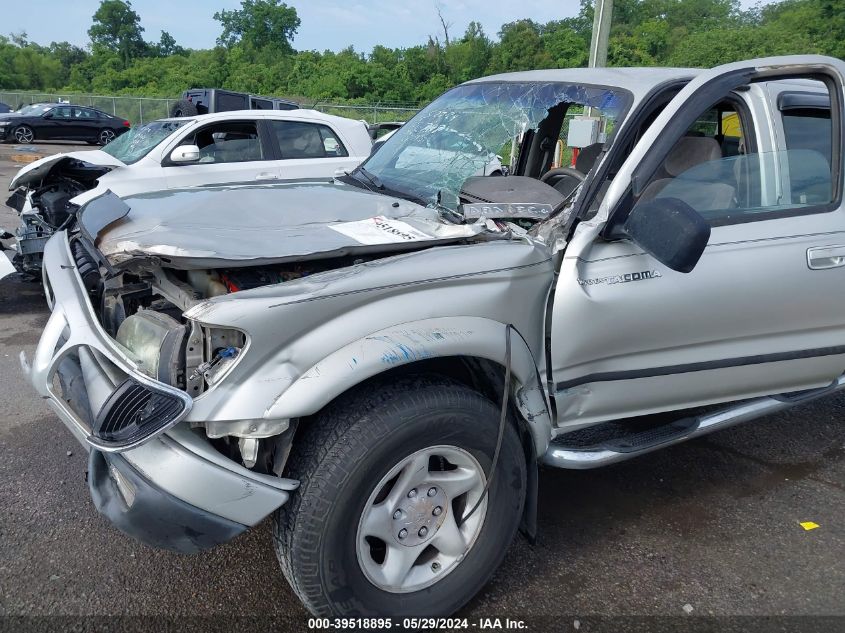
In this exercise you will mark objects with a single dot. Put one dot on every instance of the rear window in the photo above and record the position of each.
(298, 139)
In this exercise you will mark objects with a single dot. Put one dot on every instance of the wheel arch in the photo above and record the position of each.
(469, 350)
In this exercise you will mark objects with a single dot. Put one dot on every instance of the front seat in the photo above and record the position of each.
(693, 173)
(587, 156)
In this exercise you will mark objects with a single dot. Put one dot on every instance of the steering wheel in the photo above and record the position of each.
(560, 172)
(563, 171)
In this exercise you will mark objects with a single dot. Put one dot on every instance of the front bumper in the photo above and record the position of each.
(142, 510)
(79, 369)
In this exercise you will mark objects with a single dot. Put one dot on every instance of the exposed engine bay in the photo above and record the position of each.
(142, 308)
(44, 207)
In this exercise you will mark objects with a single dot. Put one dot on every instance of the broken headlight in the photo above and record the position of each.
(157, 343)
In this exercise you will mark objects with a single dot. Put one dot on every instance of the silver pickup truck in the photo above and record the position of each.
(384, 362)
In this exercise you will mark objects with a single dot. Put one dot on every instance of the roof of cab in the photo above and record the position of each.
(639, 81)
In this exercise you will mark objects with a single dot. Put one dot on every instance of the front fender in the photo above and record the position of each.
(416, 341)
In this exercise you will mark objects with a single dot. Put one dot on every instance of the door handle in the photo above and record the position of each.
(823, 257)
(267, 175)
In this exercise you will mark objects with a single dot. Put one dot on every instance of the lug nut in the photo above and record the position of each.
(397, 514)
(435, 566)
(423, 531)
(436, 512)
(403, 533)
(412, 493)
(432, 492)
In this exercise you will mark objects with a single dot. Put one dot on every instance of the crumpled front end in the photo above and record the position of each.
(45, 193)
(150, 474)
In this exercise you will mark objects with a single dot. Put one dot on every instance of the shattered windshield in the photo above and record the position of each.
(139, 141)
(477, 130)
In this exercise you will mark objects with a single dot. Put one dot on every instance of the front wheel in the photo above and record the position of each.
(381, 523)
(24, 134)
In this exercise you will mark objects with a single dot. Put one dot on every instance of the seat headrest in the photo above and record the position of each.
(587, 157)
(689, 152)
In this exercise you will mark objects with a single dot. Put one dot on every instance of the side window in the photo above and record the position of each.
(227, 142)
(84, 113)
(716, 169)
(808, 129)
(62, 113)
(298, 139)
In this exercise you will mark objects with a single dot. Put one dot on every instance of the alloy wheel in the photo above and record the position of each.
(414, 530)
(24, 134)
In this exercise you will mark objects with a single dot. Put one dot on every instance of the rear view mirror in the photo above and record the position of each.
(185, 154)
(669, 230)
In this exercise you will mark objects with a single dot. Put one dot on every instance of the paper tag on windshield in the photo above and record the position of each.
(6, 267)
(380, 230)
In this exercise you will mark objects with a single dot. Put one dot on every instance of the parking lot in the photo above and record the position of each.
(706, 528)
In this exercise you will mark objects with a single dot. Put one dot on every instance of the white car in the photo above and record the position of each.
(225, 147)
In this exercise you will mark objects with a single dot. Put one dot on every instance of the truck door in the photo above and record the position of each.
(763, 311)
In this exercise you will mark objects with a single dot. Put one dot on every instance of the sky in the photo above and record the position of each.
(326, 24)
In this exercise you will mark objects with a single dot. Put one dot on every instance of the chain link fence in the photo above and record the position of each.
(371, 113)
(140, 110)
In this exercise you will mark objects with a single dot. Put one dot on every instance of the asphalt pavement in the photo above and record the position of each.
(711, 527)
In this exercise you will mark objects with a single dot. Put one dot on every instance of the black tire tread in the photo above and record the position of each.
(187, 108)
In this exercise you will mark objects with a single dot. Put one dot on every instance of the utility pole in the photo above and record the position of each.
(601, 33)
(598, 56)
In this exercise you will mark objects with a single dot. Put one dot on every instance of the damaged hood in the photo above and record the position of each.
(243, 225)
(37, 170)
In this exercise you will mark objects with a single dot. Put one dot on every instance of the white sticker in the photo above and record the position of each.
(380, 230)
(6, 267)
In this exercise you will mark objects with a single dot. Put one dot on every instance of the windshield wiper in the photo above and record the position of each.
(374, 180)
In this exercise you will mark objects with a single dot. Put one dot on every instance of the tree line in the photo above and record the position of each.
(254, 51)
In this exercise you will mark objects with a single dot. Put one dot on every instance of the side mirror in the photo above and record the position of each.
(185, 154)
(669, 230)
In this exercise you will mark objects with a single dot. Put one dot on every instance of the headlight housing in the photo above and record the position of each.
(157, 341)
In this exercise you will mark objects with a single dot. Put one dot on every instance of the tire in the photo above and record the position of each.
(24, 134)
(183, 107)
(106, 136)
(341, 459)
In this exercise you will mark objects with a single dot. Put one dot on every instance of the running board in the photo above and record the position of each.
(633, 445)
